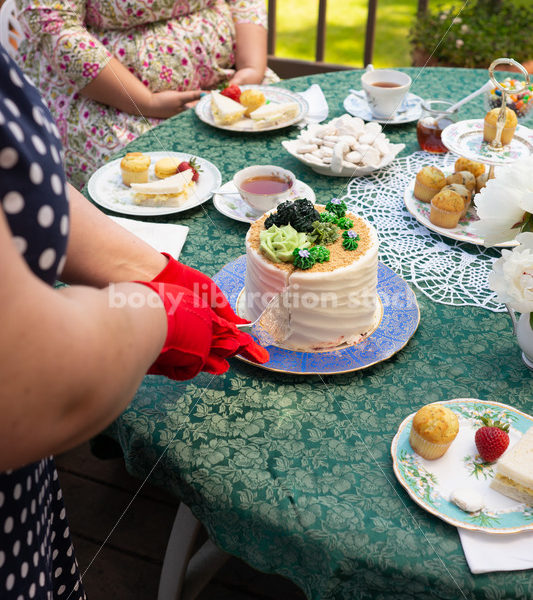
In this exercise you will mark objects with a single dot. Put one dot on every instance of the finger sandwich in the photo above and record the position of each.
(171, 191)
(514, 471)
(225, 110)
(274, 114)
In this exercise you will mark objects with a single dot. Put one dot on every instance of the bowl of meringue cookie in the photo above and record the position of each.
(343, 147)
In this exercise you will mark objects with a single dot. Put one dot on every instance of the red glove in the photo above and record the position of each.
(197, 338)
(180, 274)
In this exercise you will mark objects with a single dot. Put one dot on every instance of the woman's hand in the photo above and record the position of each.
(247, 75)
(169, 103)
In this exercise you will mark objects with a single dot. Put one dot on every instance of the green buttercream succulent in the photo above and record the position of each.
(344, 223)
(337, 207)
(303, 259)
(327, 217)
(319, 253)
(323, 233)
(278, 243)
(350, 240)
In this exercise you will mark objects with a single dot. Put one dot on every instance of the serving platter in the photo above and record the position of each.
(465, 138)
(397, 324)
(106, 188)
(273, 94)
(462, 233)
(430, 482)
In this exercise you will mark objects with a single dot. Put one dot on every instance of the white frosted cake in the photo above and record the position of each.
(331, 303)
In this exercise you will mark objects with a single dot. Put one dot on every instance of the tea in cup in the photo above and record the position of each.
(263, 187)
(385, 90)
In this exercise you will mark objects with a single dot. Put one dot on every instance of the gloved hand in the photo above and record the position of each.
(180, 274)
(197, 338)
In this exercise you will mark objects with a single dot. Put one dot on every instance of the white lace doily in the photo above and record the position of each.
(445, 270)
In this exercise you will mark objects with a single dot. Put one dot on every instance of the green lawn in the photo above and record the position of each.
(296, 29)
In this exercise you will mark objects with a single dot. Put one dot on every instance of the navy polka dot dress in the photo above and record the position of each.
(36, 554)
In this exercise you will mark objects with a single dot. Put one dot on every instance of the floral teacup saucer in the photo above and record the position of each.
(228, 201)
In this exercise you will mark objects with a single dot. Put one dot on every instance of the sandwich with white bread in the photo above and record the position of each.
(226, 111)
(274, 114)
(514, 471)
(171, 191)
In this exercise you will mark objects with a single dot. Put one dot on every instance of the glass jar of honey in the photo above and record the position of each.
(434, 118)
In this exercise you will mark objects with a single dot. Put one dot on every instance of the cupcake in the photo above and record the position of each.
(463, 178)
(481, 181)
(433, 430)
(165, 167)
(489, 126)
(429, 180)
(465, 164)
(464, 192)
(134, 168)
(446, 209)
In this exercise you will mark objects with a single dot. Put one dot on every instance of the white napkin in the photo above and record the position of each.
(164, 237)
(318, 106)
(487, 552)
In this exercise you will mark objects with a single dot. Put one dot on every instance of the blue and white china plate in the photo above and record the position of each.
(465, 138)
(106, 188)
(430, 482)
(410, 109)
(230, 203)
(273, 94)
(399, 321)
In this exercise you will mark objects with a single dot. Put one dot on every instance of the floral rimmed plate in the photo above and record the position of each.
(229, 202)
(465, 138)
(272, 94)
(398, 324)
(430, 482)
(462, 233)
(106, 188)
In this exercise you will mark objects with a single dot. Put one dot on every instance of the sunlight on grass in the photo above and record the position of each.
(296, 31)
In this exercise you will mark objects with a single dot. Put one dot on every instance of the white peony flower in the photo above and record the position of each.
(512, 275)
(503, 204)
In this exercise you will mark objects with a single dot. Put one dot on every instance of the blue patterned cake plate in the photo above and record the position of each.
(398, 323)
(430, 482)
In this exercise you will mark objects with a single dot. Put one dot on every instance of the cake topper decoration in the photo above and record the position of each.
(350, 240)
(337, 207)
(319, 253)
(300, 214)
(323, 233)
(278, 243)
(303, 258)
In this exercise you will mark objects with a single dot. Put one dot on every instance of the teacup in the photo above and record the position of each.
(385, 89)
(263, 187)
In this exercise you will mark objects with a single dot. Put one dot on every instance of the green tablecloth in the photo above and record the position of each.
(293, 474)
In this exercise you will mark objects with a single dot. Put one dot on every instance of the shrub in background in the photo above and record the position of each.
(483, 31)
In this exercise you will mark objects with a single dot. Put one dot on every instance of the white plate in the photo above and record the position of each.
(410, 109)
(233, 206)
(106, 188)
(465, 138)
(272, 94)
(291, 145)
(430, 482)
(462, 233)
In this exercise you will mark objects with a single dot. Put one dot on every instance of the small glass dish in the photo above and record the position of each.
(520, 103)
(435, 117)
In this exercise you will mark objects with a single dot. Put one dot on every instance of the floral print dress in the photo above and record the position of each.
(167, 44)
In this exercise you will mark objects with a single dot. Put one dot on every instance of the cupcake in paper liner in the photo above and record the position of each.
(433, 429)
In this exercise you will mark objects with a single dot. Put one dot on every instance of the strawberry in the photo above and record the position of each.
(492, 439)
(190, 164)
(232, 91)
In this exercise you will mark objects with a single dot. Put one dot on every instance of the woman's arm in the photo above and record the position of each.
(250, 53)
(100, 251)
(71, 358)
(116, 86)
